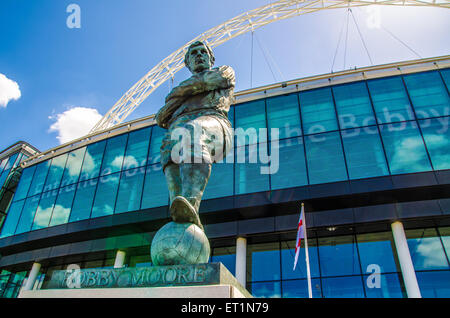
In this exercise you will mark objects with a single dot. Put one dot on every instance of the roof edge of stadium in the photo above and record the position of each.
(18, 146)
(310, 82)
(350, 75)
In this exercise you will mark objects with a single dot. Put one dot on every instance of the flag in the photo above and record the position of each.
(300, 235)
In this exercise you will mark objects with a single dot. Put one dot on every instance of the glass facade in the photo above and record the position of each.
(365, 129)
(9, 172)
(11, 283)
(350, 266)
(7, 166)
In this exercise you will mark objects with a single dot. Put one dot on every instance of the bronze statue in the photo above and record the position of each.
(199, 105)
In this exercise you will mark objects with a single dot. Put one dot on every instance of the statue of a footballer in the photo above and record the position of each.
(198, 106)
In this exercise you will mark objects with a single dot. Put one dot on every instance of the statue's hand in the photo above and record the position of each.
(219, 78)
(165, 113)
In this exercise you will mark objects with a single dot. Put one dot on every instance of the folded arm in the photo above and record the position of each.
(219, 78)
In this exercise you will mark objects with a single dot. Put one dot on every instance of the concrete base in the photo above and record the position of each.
(211, 291)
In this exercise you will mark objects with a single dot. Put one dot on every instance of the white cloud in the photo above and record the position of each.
(60, 215)
(9, 90)
(74, 123)
(430, 253)
(409, 155)
(88, 164)
(129, 162)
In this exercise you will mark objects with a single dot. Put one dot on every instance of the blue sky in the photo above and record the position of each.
(70, 75)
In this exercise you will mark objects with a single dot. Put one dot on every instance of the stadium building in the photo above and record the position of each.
(366, 150)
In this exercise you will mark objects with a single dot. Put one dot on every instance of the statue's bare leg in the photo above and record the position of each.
(172, 173)
(194, 178)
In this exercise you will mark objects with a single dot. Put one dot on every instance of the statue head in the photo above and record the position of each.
(199, 57)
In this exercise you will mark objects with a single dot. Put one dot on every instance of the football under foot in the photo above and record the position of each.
(182, 211)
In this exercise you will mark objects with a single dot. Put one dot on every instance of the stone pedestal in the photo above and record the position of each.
(210, 280)
(213, 291)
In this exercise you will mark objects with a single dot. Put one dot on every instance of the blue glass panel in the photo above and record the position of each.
(404, 148)
(105, 196)
(364, 153)
(3, 282)
(445, 237)
(113, 157)
(426, 250)
(353, 105)
(289, 169)
(73, 166)
(17, 161)
(283, 114)
(265, 290)
(428, 94)
(44, 210)
(63, 204)
(92, 160)
(12, 218)
(250, 117)
(27, 216)
(82, 204)
(325, 158)
(299, 288)
(343, 287)
(436, 133)
(3, 178)
(263, 262)
(229, 261)
(24, 183)
(377, 248)
(220, 182)
(231, 116)
(155, 188)
(390, 100)
(248, 176)
(446, 76)
(383, 286)
(55, 172)
(288, 255)
(39, 178)
(435, 284)
(137, 148)
(154, 155)
(317, 110)
(11, 161)
(338, 256)
(3, 164)
(130, 190)
(226, 256)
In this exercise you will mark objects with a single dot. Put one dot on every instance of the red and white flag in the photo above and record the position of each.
(300, 235)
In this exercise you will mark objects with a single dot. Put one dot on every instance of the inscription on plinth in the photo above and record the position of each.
(155, 276)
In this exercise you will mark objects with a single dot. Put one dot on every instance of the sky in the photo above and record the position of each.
(56, 82)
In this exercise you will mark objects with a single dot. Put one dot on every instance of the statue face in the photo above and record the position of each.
(199, 59)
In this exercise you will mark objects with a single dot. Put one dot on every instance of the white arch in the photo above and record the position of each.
(248, 21)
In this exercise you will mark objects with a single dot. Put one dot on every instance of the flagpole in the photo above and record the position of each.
(308, 272)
